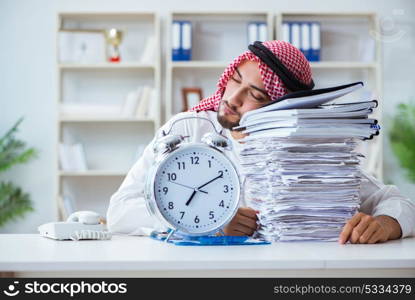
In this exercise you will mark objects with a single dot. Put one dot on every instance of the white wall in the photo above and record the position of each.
(28, 81)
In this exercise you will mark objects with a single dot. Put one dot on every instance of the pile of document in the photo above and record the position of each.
(300, 165)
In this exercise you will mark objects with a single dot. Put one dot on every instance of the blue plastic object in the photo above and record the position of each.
(208, 240)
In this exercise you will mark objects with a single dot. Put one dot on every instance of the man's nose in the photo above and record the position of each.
(236, 98)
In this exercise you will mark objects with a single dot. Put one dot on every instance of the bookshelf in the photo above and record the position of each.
(348, 53)
(111, 142)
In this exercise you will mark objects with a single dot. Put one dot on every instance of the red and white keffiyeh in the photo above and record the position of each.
(290, 56)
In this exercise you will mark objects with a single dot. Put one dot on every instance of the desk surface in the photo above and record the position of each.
(31, 252)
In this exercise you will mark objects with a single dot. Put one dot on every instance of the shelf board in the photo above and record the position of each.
(220, 13)
(345, 14)
(80, 119)
(126, 65)
(343, 65)
(99, 15)
(199, 64)
(320, 64)
(92, 173)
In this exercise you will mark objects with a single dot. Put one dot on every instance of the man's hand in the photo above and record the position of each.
(365, 229)
(243, 223)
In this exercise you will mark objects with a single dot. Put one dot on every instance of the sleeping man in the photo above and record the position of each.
(246, 84)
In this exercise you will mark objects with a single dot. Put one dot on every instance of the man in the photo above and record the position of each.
(246, 84)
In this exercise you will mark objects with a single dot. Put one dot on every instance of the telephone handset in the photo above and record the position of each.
(81, 225)
(84, 217)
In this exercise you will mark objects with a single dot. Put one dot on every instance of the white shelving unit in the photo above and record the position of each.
(111, 143)
(217, 38)
(349, 53)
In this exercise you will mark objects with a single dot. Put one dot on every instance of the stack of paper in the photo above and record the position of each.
(300, 166)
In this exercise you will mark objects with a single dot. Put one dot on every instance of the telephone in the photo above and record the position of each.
(81, 225)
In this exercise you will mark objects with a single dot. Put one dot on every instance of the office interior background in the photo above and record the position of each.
(36, 83)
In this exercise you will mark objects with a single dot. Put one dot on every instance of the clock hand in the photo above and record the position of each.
(189, 187)
(191, 197)
(220, 176)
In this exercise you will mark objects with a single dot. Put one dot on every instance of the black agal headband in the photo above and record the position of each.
(272, 61)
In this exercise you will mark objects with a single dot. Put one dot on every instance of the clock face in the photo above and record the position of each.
(196, 189)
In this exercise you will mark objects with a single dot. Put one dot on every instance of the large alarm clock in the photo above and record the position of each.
(193, 188)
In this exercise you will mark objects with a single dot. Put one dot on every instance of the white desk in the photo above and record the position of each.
(32, 255)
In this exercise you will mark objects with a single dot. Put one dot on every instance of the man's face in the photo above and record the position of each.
(245, 91)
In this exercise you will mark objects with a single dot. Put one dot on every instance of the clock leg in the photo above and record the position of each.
(169, 235)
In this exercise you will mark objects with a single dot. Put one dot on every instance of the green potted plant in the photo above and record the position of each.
(402, 137)
(14, 202)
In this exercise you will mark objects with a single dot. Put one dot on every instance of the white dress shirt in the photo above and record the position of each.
(127, 212)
